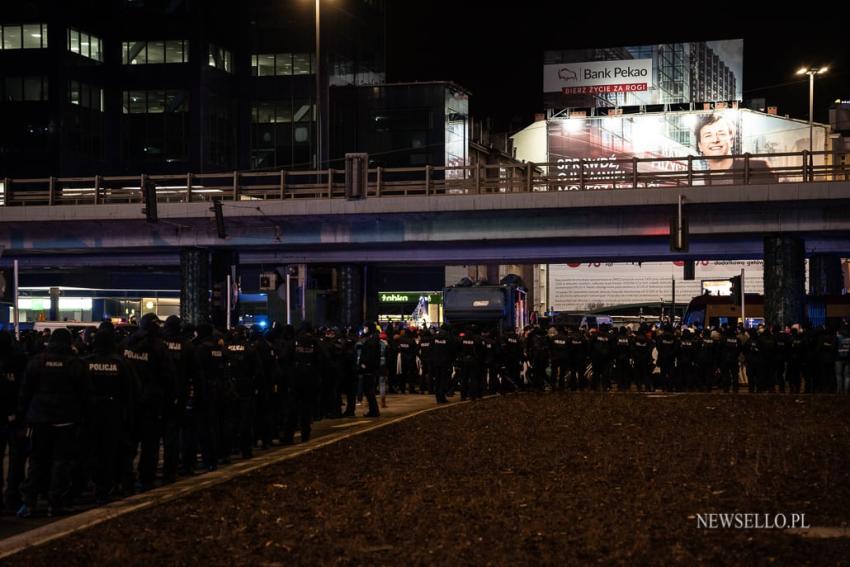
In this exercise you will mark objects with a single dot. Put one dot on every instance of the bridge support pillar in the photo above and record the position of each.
(350, 286)
(195, 284)
(784, 280)
(825, 277)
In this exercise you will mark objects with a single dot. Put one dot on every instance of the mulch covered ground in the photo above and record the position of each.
(520, 480)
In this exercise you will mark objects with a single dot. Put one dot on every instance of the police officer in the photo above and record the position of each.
(622, 360)
(426, 380)
(407, 349)
(730, 350)
(706, 362)
(244, 371)
(266, 380)
(537, 354)
(146, 355)
(491, 361)
(112, 407)
(55, 398)
(443, 355)
(469, 357)
(667, 347)
(284, 346)
(783, 352)
(642, 355)
(825, 351)
(686, 370)
(601, 356)
(369, 366)
(513, 358)
(767, 347)
(13, 363)
(578, 359)
(559, 356)
(306, 368)
(181, 355)
(752, 358)
(796, 358)
(842, 360)
(334, 357)
(349, 372)
(208, 394)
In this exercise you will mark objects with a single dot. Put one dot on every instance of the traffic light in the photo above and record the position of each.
(736, 291)
(675, 244)
(268, 281)
(149, 196)
(219, 218)
(218, 299)
(690, 270)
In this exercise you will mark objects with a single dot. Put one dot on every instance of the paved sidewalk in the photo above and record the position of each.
(26, 533)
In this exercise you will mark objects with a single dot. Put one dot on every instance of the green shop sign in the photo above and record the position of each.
(409, 296)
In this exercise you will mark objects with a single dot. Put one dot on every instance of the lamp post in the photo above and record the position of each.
(318, 71)
(811, 72)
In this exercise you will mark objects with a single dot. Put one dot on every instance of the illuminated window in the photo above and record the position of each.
(154, 52)
(26, 36)
(87, 45)
(155, 102)
(220, 58)
(301, 64)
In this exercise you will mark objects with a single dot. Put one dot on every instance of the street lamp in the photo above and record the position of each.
(318, 72)
(811, 72)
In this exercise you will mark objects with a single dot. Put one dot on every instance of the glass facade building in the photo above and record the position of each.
(168, 86)
(402, 124)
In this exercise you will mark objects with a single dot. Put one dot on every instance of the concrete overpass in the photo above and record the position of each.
(613, 225)
(517, 218)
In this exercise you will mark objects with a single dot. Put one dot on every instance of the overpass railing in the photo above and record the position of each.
(561, 175)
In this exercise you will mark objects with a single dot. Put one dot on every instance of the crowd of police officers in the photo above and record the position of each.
(97, 410)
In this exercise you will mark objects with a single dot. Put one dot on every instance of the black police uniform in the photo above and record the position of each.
(178, 410)
(492, 363)
(443, 354)
(55, 398)
(469, 363)
(578, 360)
(512, 357)
(642, 356)
(145, 354)
(208, 394)
(244, 371)
(13, 431)
(111, 415)
(559, 353)
(730, 349)
(306, 369)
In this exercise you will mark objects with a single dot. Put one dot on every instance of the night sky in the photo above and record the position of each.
(496, 51)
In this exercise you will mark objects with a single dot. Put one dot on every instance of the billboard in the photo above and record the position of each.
(608, 144)
(597, 77)
(586, 286)
(696, 71)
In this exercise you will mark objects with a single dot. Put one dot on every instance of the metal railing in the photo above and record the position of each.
(561, 175)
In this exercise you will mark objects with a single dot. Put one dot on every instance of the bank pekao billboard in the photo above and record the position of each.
(607, 145)
(597, 77)
(696, 71)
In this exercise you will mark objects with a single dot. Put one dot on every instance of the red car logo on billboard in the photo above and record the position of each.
(567, 74)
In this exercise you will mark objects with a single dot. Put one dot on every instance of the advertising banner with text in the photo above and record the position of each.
(707, 136)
